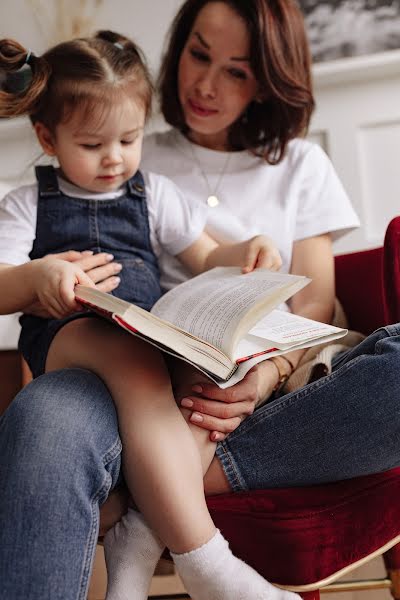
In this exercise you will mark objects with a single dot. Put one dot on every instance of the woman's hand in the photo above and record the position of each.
(222, 411)
(99, 267)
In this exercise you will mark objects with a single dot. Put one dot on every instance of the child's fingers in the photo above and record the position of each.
(68, 304)
(258, 255)
(262, 253)
(277, 263)
(67, 294)
(269, 258)
(251, 256)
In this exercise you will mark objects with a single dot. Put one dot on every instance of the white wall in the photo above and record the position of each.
(41, 23)
(357, 122)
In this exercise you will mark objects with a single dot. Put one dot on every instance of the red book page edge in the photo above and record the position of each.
(244, 358)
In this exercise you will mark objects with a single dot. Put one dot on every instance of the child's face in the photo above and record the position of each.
(99, 157)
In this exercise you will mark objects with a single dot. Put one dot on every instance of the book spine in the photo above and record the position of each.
(232, 371)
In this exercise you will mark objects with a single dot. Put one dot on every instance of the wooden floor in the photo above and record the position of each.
(166, 584)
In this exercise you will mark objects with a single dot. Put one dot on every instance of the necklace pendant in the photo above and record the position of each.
(212, 201)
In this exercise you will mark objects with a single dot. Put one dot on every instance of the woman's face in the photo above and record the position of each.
(215, 80)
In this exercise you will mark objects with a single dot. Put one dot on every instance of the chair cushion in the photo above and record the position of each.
(298, 536)
(359, 287)
(392, 271)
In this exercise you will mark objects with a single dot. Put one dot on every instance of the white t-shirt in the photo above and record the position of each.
(301, 197)
(174, 222)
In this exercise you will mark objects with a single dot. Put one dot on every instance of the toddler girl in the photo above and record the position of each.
(88, 100)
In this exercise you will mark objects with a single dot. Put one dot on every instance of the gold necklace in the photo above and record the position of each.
(212, 198)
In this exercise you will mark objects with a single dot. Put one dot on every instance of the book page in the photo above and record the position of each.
(282, 330)
(286, 328)
(158, 332)
(245, 366)
(212, 306)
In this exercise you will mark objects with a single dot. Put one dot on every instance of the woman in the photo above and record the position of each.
(235, 85)
(60, 479)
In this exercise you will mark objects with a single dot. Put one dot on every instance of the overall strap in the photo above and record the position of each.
(136, 186)
(47, 180)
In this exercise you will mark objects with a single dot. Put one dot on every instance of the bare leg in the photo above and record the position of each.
(162, 465)
(215, 481)
(159, 448)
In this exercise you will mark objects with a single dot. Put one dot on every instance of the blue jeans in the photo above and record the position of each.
(341, 426)
(60, 455)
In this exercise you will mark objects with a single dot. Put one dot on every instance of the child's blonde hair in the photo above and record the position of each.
(86, 73)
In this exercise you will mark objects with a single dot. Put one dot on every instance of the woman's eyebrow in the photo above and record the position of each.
(202, 40)
(207, 46)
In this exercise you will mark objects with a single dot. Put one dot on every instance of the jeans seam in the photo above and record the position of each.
(298, 395)
(392, 330)
(110, 455)
(114, 451)
(236, 482)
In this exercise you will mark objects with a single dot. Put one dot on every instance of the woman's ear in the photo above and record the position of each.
(261, 95)
(45, 138)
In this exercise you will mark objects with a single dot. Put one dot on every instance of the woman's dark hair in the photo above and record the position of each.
(280, 60)
(85, 73)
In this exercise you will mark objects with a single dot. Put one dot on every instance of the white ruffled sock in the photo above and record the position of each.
(212, 572)
(132, 551)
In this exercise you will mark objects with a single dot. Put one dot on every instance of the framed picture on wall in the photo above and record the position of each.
(344, 28)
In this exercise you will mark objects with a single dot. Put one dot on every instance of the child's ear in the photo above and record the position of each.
(45, 138)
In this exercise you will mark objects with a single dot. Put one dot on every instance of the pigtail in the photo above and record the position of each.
(120, 42)
(127, 56)
(24, 79)
(110, 36)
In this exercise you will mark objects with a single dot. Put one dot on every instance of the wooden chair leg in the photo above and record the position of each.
(394, 575)
(392, 564)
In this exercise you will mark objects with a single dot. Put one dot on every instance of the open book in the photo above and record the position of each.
(223, 322)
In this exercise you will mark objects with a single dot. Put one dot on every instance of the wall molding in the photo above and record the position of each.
(357, 68)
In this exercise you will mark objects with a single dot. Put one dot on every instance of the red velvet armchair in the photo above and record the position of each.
(304, 539)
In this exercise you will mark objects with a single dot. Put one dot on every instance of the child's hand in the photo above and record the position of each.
(260, 252)
(54, 282)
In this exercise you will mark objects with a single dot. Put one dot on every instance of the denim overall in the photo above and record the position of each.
(118, 226)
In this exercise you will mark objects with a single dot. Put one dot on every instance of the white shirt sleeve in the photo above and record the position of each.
(323, 205)
(175, 223)
(18, 213)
